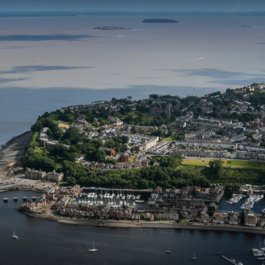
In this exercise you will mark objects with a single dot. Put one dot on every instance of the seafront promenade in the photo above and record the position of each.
(146, 224)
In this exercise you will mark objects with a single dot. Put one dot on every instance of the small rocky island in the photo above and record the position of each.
(111, 28)
(159, 20)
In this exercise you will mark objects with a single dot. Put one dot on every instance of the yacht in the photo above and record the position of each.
(193, 257)
(93, 249)
(168, 251)
(14, 235)
(233, 261)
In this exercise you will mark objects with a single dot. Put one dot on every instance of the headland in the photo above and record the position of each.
(127, 157)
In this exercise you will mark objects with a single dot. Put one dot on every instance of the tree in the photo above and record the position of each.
(215, 167)
(72, 135)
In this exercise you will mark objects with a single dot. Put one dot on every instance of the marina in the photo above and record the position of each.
(117, 246)
(235, 198)
(250, 201)
(255, 203)
(115, 200)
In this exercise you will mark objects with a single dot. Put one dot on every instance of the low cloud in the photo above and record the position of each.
(39, 68)
(211, 73)
(197, 59)
(9, 80)
(49, 37)
(239, 82)
(220, 76)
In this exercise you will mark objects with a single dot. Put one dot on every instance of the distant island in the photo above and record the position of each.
(111, 28)
(159, 20)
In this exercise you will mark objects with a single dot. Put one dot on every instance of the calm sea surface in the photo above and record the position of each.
(49, 243)
(52, 61)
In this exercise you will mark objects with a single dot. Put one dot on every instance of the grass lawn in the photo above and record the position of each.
(63, 125)
(167, 139)
(204, 162)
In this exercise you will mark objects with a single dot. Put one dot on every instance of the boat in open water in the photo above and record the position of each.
(14, 235)
(194, 257)
(93, 249)
(232, 261)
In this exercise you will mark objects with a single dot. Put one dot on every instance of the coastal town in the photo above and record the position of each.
(130, 132)
(188, 206)
(134, 152)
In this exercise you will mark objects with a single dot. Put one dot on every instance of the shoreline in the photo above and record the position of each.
(113, 223)
(144, 224)
(11, 153)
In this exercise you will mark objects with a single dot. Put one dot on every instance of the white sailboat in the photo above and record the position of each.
(168, 251)
(14, 235)
(193, 257)
(93, 249)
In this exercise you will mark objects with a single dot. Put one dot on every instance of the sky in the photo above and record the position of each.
(131, 5)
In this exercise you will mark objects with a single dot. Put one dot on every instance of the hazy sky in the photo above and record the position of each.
(132, 5)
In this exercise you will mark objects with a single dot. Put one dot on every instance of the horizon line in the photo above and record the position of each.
(51, 13)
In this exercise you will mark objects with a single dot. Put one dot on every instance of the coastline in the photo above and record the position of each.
(34, 186)
(144, 224)
(11, 153)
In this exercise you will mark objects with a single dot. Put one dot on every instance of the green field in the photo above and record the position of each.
(240, 164)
